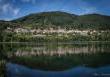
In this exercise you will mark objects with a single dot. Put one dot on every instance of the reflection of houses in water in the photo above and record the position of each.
(59, 50)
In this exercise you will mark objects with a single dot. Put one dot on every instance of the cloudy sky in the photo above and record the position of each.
(12, 9)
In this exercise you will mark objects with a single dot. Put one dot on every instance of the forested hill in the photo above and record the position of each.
(64, 20)
(47, 19)
(93, 21)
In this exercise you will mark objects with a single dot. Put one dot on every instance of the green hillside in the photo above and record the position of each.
(93, 21)
(47, 19)
(65, 20)
(60, 19)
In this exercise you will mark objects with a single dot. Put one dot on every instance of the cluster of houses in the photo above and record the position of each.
(49, 31)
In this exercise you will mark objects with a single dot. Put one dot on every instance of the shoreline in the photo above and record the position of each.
(54, 41)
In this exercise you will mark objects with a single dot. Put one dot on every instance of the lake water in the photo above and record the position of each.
(76, 59)
(14, 70)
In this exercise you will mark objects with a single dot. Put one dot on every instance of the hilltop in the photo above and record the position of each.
(65, 20)
(57, 19)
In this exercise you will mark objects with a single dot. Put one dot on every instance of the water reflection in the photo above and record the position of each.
(57, 56)
(57, 49)
(14, 70)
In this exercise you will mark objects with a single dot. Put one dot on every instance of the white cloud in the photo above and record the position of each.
(26, 0)
(16, 11)
(5, 7)
(87, 8)
(90, 10)
(9, 8)
(29, 1)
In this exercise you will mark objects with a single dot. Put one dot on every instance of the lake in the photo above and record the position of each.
(75, 59)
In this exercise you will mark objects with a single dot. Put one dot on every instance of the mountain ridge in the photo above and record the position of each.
(64, 20)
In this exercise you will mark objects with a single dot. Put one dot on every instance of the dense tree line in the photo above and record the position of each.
(65, 20)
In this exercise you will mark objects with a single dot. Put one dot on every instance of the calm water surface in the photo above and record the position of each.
(14, 70)
(77, 59)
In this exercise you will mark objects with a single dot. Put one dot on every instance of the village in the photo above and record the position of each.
(41, 32)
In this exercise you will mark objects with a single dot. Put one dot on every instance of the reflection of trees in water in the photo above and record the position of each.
(3, 52)
(62, 49)
(65, 55)
(63, 62)
(3, 59)
(9, 50)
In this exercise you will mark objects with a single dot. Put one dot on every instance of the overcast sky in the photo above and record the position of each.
(11, 9)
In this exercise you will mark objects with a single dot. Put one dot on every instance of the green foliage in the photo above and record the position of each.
(46, 20)
(65, 20)
(63, 62)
